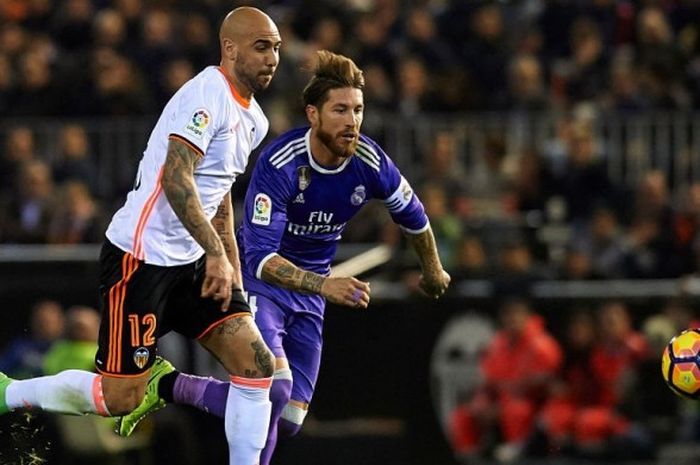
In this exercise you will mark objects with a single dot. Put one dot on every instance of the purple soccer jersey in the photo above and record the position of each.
(298, 209)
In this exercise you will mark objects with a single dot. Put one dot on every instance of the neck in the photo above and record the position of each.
(322, 153)
(243, 91)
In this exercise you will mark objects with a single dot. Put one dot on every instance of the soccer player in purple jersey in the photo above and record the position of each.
(307, 184)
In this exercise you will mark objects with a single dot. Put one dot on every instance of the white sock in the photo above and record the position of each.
(74, 392)
(247, 418)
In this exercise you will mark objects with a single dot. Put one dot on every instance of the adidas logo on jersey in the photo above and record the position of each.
(299, 198)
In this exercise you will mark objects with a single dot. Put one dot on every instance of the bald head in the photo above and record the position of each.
(244, 22)
(250, 44)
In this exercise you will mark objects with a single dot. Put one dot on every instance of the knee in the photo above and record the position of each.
(265, 361)
(122, 400)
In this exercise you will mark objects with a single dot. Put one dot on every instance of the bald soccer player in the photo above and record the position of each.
(170, 260)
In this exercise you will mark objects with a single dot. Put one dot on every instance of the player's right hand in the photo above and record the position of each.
(218, 280)
(346, 291)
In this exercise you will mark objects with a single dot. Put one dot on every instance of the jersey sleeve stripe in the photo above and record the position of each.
(288, 158)
(369, 151)
(179, 138)
(367, 160)
(294, 144)
(366, 157)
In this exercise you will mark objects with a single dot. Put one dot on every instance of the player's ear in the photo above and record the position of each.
(311, 114)
(229, 49)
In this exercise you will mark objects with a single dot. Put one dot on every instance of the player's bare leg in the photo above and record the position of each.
(238, 345)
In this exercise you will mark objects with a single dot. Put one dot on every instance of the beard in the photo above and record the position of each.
(331, 142)
(254, 81)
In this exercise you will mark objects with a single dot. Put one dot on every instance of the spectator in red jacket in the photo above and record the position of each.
(517, 366)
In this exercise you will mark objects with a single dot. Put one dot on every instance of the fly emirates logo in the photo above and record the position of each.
(319, 222)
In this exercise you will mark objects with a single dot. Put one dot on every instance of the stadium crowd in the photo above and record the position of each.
(98, 58)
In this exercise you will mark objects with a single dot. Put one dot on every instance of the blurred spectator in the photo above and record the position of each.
(327, 34)
(443, 165)
(617, 353)
(659, 60)
(485, 53)
(471, 260)
(587, 74)
(25, 216)
(414, 94)
(73, 25)
(379, 91)
(75, 161)
(446, 226)
(585, 184)
(176, 73)
(76, 218)
(198, 33)
(488, 184)
(687, 227)
(24, 356)
(603, 240)
(18, 149)
(78, 345)
(118, 89)
(36, 93)
(526, 89)
(532, 183)
(578, 265)
(581, 417)
(517, 270)
(518, 365)
(625, 93)
(6, 83)
(109, 29)
(422, 40)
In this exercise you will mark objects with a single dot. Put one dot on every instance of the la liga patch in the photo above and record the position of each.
(198, 123)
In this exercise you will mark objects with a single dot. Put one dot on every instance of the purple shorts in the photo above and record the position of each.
(295, 333)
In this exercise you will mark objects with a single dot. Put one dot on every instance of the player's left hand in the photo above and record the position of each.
(434, 285)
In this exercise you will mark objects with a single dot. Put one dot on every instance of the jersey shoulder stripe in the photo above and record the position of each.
(285, 149)
(370, 151)
(293, 152)
(367, 157)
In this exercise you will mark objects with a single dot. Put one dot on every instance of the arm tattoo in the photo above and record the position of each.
(426, 249)
(219, 222)
(283, 273)
(223, 224)
(180, 190)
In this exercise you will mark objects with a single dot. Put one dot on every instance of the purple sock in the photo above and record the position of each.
(280, 393)
(206, 394)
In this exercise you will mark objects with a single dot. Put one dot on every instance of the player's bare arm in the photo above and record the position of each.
(435, 279)
(223, 224)
(342, 291)
(180, 190)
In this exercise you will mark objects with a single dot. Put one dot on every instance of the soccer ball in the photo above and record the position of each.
(680, 364)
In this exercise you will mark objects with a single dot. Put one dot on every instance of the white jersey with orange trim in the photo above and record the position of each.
(210, 117)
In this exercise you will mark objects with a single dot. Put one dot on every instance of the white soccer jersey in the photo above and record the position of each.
(210, 117)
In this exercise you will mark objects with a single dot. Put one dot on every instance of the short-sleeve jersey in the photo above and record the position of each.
(209, 116)
(298, 209)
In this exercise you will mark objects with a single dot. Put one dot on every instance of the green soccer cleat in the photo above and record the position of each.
(4, 382)
(151, 401)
